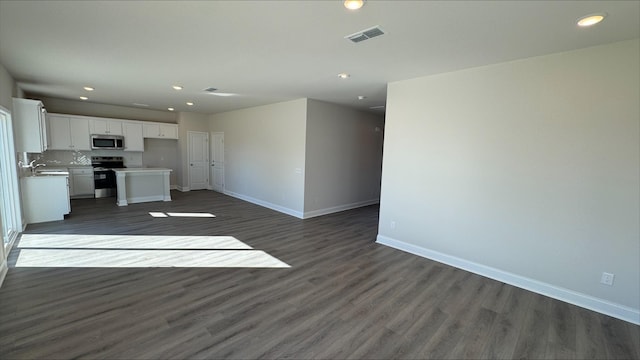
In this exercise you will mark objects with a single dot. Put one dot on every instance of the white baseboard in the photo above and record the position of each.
(141, 199)
(619, 311)
(182, 188)
(266, 204)
(173, 187)
(3, 271)
(335, 209)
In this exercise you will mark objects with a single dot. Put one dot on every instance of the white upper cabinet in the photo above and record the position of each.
(73, 132)
(29, 122)
(106, 126)
(160, 130)
(68, 133)
(79, 129)
(133, 140)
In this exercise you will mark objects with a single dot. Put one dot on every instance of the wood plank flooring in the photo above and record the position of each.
(344, 296)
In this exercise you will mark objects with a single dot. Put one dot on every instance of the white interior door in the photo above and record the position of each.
(217, 161)
(198, 160)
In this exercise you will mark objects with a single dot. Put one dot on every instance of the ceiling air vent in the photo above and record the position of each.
(365, 34)
(210, 89)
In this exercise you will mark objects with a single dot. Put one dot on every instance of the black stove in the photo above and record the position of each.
(103, 176)
(107, 162)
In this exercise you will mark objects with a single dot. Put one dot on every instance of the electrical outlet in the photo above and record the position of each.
(607, 278)
(392, 225)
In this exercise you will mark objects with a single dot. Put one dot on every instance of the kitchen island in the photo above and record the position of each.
(136, 185)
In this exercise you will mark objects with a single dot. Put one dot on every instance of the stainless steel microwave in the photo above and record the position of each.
(107, 142)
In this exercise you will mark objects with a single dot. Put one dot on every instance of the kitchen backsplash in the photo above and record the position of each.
(66, 158)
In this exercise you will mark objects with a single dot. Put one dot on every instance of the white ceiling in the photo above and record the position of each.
(271, 51)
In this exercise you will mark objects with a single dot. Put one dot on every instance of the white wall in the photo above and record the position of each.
(73, 107)
(162, 153)
(264, 149)
(343, 158)
(526, 171)
(7, 88)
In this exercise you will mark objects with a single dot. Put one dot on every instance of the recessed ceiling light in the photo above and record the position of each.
(590, 20)
(84, 98)
(190, 103)
(89, 88)
(343, 75)
(353, 4)
(361, 97)
(176, 87)
(170, 109)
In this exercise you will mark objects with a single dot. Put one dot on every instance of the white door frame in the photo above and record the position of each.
(9, 180)
(10, 209)
(190, 160)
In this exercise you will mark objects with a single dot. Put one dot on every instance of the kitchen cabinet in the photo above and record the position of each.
(68, 133)
(160, 130)
(106, 126)
(133, 140)
(81, 182)
(45, 198)
(29, 122)
(73, 132)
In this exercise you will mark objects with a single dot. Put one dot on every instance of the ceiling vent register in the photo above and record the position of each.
(365, 34)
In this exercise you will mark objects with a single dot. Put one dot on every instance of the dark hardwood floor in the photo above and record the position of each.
(344, 296)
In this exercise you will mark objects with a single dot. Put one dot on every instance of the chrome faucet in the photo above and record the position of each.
(31, 165)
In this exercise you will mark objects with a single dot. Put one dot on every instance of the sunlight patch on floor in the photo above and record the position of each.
(158, 214)
(131, 251)
(147, 258)
(130, 242)
(174, 214)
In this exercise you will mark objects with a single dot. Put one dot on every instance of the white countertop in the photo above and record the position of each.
(139, 170)
(49, 171)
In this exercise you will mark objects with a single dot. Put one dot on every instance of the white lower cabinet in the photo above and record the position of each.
(81, 182)
(45, 198)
